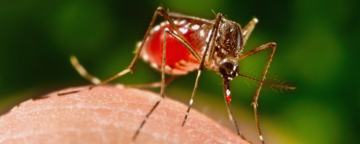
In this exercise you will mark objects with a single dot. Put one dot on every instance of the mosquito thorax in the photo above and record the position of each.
(229, 40)
(229, 69)
(227, 46)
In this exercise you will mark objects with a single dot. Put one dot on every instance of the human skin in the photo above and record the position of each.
(108, 114)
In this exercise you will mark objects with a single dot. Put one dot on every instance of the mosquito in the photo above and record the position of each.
(182, 44)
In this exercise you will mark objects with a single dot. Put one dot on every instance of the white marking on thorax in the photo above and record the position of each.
(261, 138)
(191, 102)
(224, 51)
(256, 20)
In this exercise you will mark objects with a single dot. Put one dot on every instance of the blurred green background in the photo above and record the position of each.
(317, 52)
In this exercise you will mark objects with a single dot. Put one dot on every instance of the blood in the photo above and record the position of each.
(175, 51)
(228, 98)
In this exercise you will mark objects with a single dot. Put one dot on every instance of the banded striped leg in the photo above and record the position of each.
(256, 97)
(82, 71)
(226, 89)
(188, 46)
(212, 40)
(162, 94)
(134, 61)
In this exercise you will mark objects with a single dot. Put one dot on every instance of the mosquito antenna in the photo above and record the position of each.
(161, 5)
(271, 84)
(213, 12)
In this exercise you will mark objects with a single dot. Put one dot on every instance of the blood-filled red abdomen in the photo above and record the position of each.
(178, 59)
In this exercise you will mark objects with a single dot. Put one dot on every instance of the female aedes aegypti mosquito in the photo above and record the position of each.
(183, 44)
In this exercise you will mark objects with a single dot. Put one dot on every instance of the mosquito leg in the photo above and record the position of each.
(82, 71)
(133, 63)
(162, 91)
(192, 97)
(199, 71)
(181, 16)
(226, 89)
(151, 85)
(94, 80)
(249, 28)
(258, 49)
(180, 36)
(184, 42)
(256, 97)
(212, 37)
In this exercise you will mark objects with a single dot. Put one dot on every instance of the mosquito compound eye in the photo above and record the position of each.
(229, 69)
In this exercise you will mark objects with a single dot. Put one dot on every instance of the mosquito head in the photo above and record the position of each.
(229, 69)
